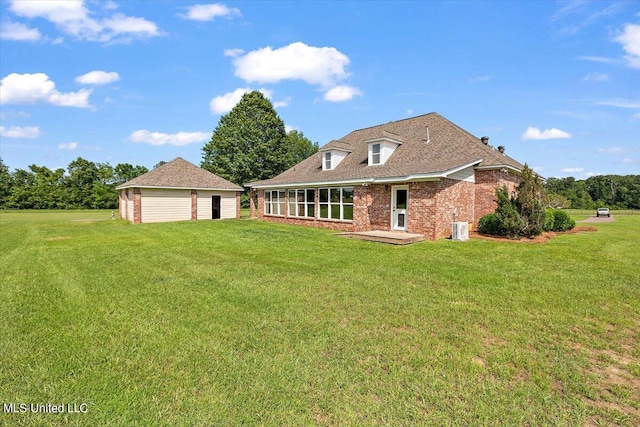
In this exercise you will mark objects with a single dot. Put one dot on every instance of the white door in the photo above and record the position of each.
(399, 203)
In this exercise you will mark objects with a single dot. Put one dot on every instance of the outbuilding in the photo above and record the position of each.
(178, 191)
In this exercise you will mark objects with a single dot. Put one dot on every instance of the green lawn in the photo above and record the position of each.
(245, 322)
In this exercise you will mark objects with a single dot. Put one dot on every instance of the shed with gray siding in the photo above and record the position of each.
(178, 191)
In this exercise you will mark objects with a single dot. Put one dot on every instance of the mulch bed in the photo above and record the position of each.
(544, 237)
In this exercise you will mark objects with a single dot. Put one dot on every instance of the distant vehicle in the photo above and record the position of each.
(603, 212)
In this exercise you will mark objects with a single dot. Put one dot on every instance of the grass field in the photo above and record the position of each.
(244, 322)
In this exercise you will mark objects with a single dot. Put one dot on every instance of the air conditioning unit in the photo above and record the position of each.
(460, 231)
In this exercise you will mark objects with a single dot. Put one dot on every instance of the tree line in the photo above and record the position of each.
(83, 185)
(250, 143)
(612, 191)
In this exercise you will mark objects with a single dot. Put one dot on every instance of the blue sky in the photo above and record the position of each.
(556, 82)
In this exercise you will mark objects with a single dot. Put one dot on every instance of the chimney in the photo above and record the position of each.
(501, 148)
(485, 140)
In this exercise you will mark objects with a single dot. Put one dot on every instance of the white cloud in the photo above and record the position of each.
(599, 59)
(553, 133)
(596, 77)
(159, 138)
(20, 132)
(289, 128)
(38, 88)
(208, 12)
(18, 32)
(630, 41)
(572, 170)
(341, 93)
(69, 146)
(636, 116)
(611, 150)
(224, 103)
(72, 17)
(284, 103)
(480, 79)
(233, 52)
(314, 65)
(98, 78)
(409, 112)
(620, 103)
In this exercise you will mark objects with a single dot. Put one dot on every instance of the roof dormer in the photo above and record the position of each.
(380, 149)
(332, 156)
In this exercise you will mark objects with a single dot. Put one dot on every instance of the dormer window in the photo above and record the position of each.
(332, 156)
(380, 149)
(327, 161)
(375, 154)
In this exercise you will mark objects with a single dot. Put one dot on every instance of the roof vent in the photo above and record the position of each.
(428, 136)
(501, 148)
(485, 140)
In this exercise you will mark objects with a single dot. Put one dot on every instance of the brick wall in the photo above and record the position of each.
(194, 205)
(238, 193)
(485, 189)
(137, 206)
(430, 211)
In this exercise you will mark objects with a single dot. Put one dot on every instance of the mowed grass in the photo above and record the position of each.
(245, 322)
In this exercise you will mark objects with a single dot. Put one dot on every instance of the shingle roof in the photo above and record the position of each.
(179, 173)
(449, 148)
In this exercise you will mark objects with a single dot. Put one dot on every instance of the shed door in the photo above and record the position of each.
(215, 207)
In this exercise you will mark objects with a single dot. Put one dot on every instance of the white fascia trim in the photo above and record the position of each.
(382, 139)
(315, 184)
(416, 177)
(177, 188)
(498, 167)
(459, 168)
(344, 150)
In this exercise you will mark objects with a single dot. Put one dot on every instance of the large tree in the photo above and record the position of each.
(301, 146)
(249, 143)
(530, 202)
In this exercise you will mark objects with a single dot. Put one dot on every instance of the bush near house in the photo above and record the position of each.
(522, 215)
(561, 221)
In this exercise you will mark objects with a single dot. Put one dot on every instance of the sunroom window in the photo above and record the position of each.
(336, 203)
(274, 202)
(302, 203)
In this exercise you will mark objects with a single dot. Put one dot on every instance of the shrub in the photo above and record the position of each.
(562, 221)
(489, 224)
(549, 219)
(529, 203)
(511, 223)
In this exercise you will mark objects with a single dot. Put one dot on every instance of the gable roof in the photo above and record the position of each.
(443, 150)
(179, 173)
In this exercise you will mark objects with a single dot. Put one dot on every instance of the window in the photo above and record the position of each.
(327, 161)
(375, 154)
(336, 203)
(302, 203)
(274, 202)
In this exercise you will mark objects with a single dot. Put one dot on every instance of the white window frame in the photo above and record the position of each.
(329, 204)
(272, 206)
(295, 204)
(326, 161)
(374, 154)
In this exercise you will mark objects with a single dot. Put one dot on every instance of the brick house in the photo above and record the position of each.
(178, 191)
(417, 175)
